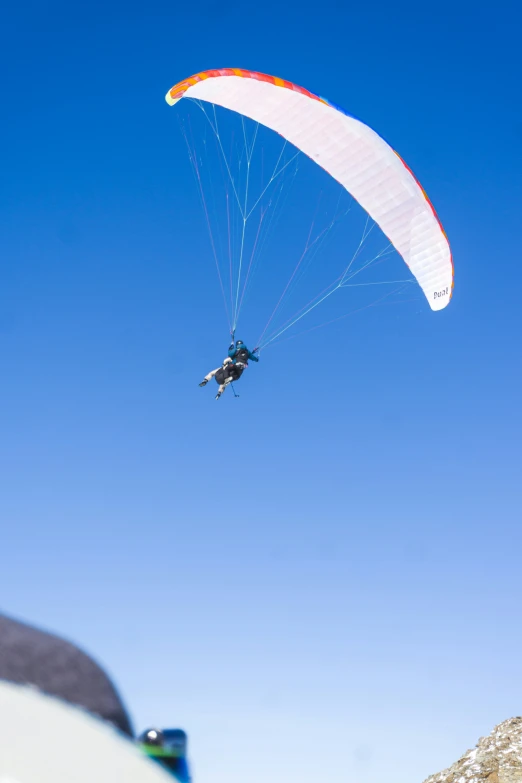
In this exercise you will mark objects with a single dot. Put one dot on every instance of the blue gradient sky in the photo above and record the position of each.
(322, 579)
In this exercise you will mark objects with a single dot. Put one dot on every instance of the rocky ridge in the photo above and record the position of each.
(495, 759)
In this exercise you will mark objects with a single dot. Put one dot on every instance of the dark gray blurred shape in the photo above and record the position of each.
(29, 656)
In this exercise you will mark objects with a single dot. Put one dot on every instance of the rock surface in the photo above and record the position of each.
(495, 759)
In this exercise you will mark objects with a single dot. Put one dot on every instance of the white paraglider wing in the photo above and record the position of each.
(352, 153)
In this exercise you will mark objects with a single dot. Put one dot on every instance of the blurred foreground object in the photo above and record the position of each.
(45, 740)
(168, 747)
(29, 656)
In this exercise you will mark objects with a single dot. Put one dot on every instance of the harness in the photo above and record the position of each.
(241, 356)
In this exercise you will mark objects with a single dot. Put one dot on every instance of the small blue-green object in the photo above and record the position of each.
(168, 748)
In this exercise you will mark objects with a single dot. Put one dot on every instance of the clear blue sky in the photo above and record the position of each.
(321, 579)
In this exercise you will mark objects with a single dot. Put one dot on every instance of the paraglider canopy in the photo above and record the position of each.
(351, 152)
